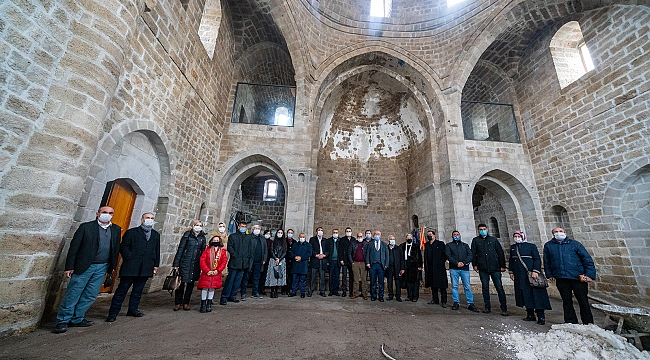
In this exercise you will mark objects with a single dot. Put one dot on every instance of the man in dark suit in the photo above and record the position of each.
(395, 269)
(376, 255)
(93, 254)
(140, 251)
(239, 260)
(412, 267)
(320, 250)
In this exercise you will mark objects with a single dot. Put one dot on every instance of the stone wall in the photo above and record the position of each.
(268, 214)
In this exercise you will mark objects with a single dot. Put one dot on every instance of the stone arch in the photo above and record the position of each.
(160, 144)
(521, 209)
(239, 168)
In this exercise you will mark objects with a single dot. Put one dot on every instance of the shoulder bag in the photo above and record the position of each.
(541, 282)
(172, 281)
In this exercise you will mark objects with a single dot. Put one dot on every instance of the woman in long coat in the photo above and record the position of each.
(277, 263)
(435, 272)
(187, 261)
(535, 300)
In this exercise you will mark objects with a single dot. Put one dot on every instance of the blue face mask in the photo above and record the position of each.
(377, 237)
(367, 236)
(242, 230)
(456, 238)
(483, 232)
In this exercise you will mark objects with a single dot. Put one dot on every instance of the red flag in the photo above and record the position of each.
(423, 239)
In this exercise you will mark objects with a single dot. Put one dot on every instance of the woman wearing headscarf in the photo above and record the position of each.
(222, 232)
(187, 261)
(277, 270)
(535, 300)
(213, 261)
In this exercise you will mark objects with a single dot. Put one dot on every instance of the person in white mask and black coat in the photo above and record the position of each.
(187, 262)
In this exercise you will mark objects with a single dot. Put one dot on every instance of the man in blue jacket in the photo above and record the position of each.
(568, 263)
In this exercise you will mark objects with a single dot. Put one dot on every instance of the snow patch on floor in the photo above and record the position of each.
(569, 341)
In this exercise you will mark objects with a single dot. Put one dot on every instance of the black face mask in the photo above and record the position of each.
(429, 237)
(408, 241)
(215, 243)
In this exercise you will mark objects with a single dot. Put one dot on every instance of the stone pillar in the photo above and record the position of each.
(299, 200)
(77, 52)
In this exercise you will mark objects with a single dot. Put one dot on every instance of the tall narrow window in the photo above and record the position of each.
(381, 8)
(270, 190)
(360, 194)
(282, 117)
(570, 55)
(586, 58)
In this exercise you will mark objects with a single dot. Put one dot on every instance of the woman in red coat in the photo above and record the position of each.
(213, 261)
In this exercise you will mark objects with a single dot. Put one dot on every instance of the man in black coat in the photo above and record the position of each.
(395, 269)
(412, 267)
(259, 253)
(140, 251)
(435, 272)
(286, 289)
(489, 261)
(320, 252)
(346, 266)
(335, 263)
(93, 253)
(239, 260)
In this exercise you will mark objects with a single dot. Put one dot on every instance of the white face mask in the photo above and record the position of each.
(290, 236)
(105, 217)
(197, 228)
(559, 236)
(348, 234)
(392, 242)
(519, 240)
(280, 235)
(336, 236)
(222, 229)
(267, 236)
(302, 240)
(256, 231)
(320, 233)
(149, 222)
(359, 239)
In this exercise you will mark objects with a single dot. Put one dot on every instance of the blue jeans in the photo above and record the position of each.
(485, 283)
(138, 283)
(376, 276)
(302, 279)
(81, 293)
(455, 274)
(255, 272)
(233, 280)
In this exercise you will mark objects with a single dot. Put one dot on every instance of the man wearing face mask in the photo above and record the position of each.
(489, 261)
(334, 264)
(92, 255)
(567, 262)
(300, 252)
(460, 255)
(377, 262)
(140, 251)
(239, 259)
(435, 273)
(259, 254)
(395, 269)
(356, 256)
(346, 266)
(321, 252)
(412, 268)
(286, 289)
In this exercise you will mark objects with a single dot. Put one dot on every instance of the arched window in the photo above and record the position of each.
(270, 190)
(560, 218)
(494, 227)
(570, 54)
(282, 117)
(360, 194)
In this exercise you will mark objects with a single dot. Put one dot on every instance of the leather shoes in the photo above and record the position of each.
(381, 299)
(291, 295)
(302, 296)
(444, 305)
(455, 306)
(111, 318)
(177, 307)
(365, 297)
(541, 321)
(344, 294)
(82, 323)
(487, 310)
(354, 297)
(323, 294)
(223, 302)
(186, 307)
(399, 299)
(60, 328)
(233, 300)
(135, 314)
(372, 298)
(473, 308)
(390, 297)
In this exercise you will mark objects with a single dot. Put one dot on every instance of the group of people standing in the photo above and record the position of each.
(290, 266)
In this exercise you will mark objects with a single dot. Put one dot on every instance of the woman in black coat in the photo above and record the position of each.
(187, 262)
(535, 300)
(435, 272)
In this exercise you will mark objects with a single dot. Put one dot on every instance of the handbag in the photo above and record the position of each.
(172, 281)
(108, 282)
(541, 282)
(276, 271)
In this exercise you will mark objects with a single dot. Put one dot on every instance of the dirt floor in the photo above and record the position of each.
(283, 328)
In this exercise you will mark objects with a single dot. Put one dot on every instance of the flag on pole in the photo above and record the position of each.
(423, 238)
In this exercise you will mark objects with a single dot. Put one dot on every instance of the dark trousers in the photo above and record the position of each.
(299, 279)
(377, 281)
(335, 273)
(255, 272)
(443, 295)
(264, 269)
(287, 288)
(413, 289)
(346, 273)
(184, 293)
(321, 275)
(485, 288)
(138, 283)
(392, 275)
(231, 285)
(568, 286)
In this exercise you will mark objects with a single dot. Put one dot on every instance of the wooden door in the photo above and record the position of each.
(121, 197)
